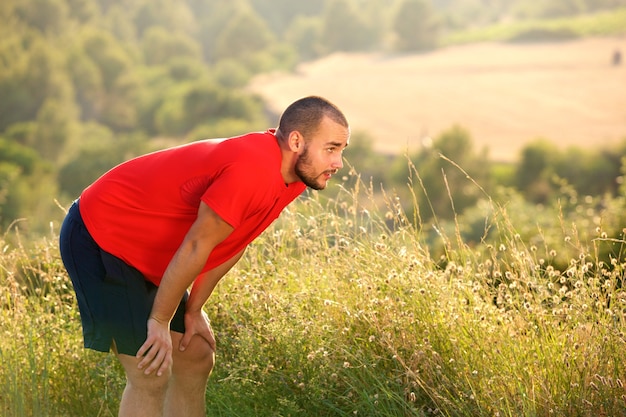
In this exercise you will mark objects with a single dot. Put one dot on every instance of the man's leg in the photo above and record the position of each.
(190, 373)
(144, 395)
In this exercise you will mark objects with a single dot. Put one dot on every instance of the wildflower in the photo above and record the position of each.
(346, 364)
(380, 246)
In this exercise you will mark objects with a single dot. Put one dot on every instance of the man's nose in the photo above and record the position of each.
(338, 162)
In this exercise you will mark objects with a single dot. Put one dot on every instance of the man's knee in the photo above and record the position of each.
(197, 357)
(137, 380)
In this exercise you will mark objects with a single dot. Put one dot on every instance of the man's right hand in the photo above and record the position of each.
(156, 352)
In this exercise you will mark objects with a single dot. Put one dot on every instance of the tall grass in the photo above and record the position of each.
(345, 308)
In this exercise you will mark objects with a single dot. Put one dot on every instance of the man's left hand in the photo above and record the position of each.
(197, 323)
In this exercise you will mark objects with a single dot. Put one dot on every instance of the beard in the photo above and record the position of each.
(304, 171)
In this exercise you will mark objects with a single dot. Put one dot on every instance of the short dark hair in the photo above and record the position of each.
(306, 114)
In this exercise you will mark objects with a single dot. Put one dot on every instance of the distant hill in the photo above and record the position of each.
(505, 94)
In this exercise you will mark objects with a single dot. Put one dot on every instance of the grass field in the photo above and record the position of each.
(505, 94)
(343, 310)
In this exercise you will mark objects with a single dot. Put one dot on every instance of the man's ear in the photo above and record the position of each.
(295, 141)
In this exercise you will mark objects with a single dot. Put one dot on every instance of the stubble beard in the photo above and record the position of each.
(303, 171)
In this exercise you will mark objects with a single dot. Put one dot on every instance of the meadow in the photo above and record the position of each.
(344, 307)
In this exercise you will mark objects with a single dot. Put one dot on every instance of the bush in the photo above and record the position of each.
(543, 34)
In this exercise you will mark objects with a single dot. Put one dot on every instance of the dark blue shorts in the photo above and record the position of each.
(114, 299)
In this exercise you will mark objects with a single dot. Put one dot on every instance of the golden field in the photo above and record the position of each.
(506, 95)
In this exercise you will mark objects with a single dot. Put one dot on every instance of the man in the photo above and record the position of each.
(147, 230)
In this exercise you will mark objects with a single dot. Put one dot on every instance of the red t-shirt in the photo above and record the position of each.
(141, 210)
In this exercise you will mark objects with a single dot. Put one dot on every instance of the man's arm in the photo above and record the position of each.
(204, 285)
(207, 231)
(195, 319)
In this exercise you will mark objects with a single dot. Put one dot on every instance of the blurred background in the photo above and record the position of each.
(526, 97)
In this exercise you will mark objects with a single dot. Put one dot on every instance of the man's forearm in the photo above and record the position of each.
(177, 278)
(204, 285)
(204, 234)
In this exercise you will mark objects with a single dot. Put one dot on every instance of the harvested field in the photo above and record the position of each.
(506, 95)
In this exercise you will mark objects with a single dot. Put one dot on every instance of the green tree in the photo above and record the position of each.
(118, 21)
(245, 34)
(304, 33)
(213, 17)
(206, 103)
(107, 54)
(533, 176)
(25, 183)
(345, 29)
(443, 188)
(47, 16)
(590, 173)
(371, 166)
(172, 16)
(169, 114)
(117, 100)
(22, 157)
(88, 84)
(415, 26)
(98, 153)
(32, 73)
(121, 107)
(160, 46)
(279, 13)
(55, 125)
(84, 11)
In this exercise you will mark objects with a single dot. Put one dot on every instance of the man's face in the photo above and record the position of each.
(321, 156)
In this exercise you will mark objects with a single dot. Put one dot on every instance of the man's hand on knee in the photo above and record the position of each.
(197, 323)
(156, 352)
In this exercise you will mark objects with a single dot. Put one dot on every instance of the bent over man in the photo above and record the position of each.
(150, 228)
